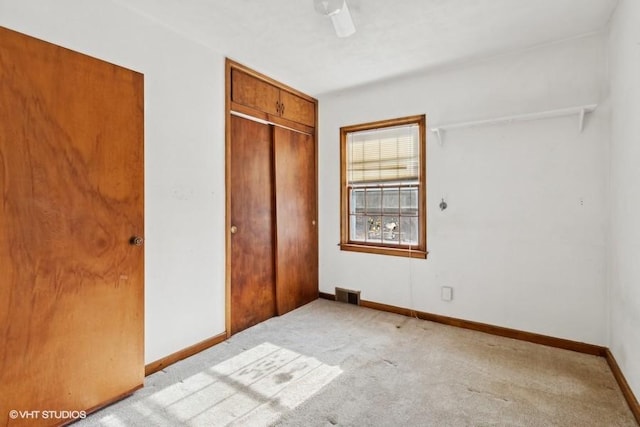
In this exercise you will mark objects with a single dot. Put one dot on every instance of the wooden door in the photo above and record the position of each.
(71, 284)
(296, 228)
(252, 286)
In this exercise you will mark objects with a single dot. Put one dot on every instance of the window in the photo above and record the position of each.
(383, 195)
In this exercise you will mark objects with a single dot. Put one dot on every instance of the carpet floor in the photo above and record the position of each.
(333, 364)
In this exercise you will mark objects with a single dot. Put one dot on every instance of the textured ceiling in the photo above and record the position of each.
(289, 41)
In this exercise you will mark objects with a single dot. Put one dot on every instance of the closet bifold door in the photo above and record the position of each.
(296, 228)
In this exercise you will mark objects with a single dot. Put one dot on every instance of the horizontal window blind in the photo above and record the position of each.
(383, 155)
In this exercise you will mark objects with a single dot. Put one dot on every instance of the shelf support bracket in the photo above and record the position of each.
(581, 120)
(438, 135)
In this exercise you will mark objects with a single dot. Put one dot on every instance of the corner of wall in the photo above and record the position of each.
(624, 230)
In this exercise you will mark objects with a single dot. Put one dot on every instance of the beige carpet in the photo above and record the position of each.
(329, 363)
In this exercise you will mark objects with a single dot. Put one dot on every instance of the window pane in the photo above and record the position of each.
(390, 229)
(409, 201)
(356, 203)
(358, 228)
(374, 229)
(391, 200)
(409, 230)
(373, 201)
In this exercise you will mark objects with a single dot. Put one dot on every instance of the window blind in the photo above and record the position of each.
(383, 155)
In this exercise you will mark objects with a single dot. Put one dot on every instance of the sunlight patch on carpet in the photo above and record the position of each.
(253, 388)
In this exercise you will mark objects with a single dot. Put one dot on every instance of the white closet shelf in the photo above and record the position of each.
(580, 110)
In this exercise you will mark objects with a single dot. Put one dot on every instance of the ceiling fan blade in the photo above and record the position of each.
(342, 22)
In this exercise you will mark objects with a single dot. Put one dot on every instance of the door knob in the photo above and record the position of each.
(233, 229)
(136, 241)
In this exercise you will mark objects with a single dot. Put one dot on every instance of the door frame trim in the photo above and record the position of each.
(267, 122)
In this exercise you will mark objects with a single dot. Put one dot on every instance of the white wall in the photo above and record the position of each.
(517, 244)
(523, 241)
(184, 157)
(624, 57)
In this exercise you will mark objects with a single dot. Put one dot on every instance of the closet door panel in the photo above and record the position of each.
(296, 230)
(252, 234)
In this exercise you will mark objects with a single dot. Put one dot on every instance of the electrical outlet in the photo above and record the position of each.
(446, 293)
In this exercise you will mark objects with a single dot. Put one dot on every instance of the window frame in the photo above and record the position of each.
(411, 251)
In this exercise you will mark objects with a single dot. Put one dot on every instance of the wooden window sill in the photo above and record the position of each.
(384, 250)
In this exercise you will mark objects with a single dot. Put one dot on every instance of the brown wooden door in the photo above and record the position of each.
(252, 278)
(297, 238)
(71, 176)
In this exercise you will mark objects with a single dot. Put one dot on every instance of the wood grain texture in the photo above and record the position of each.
(272, 119)
(296, 230)
(233, 65)
(252, 212)
(71, 175)
(297, 109)
(250, 95)
(269, 99)
(254, 93)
